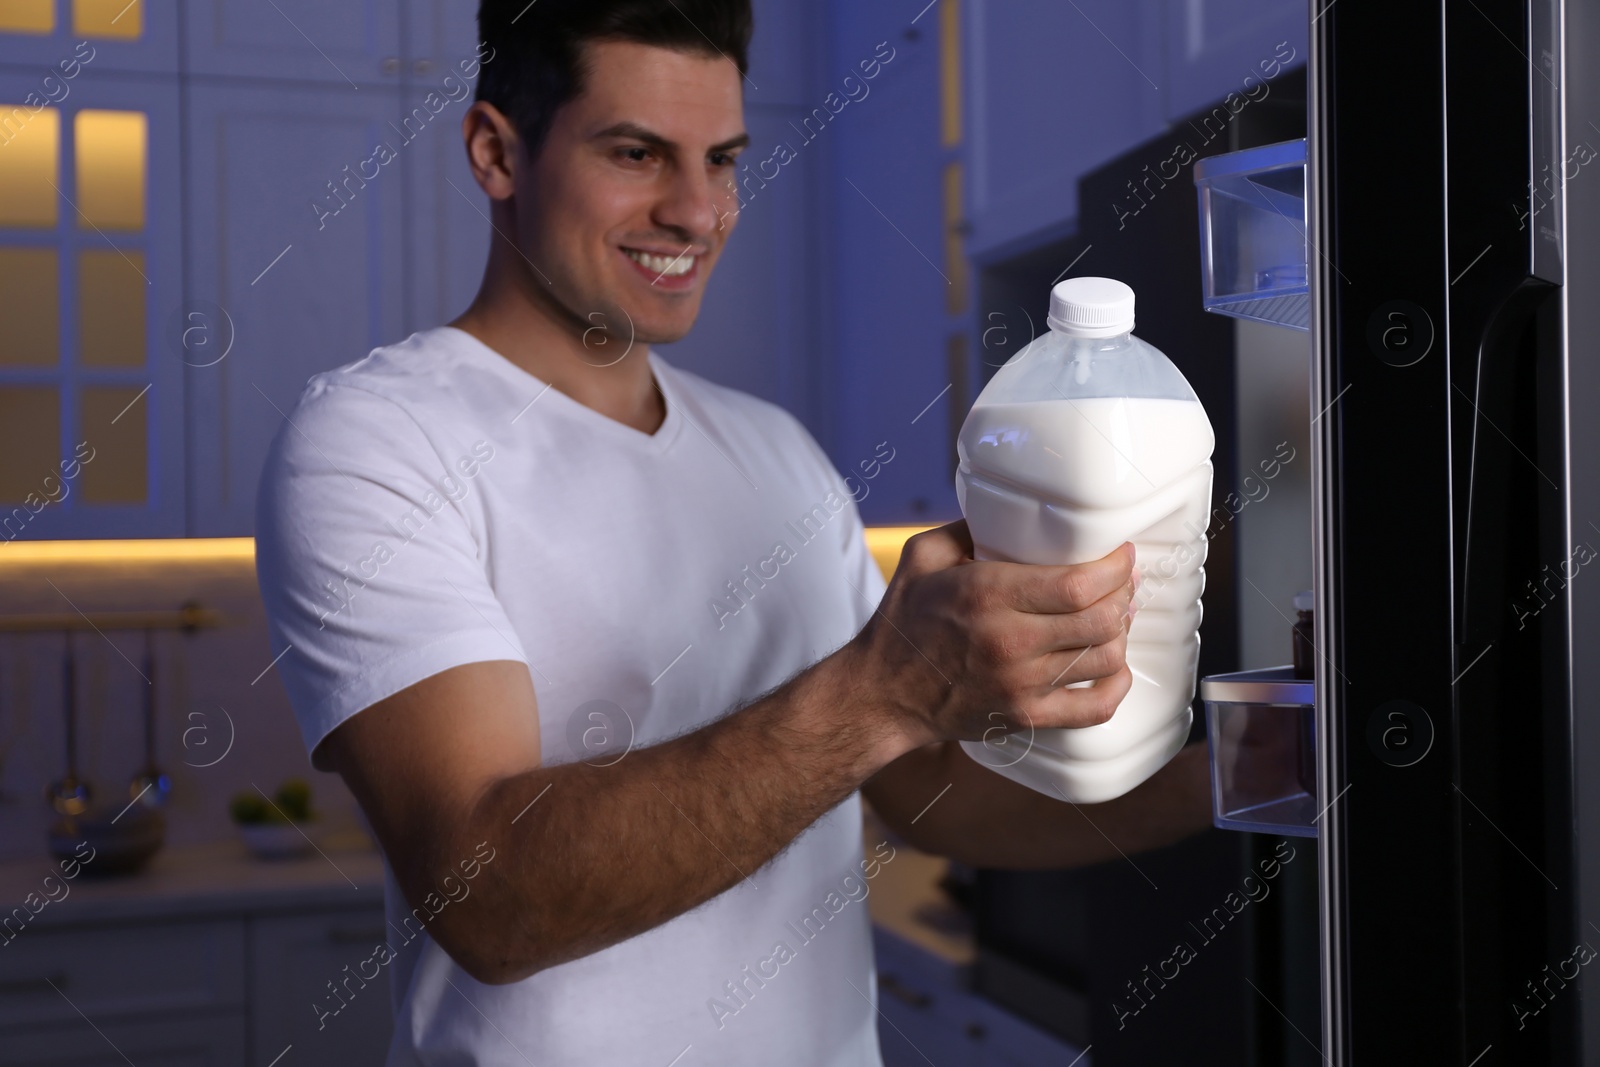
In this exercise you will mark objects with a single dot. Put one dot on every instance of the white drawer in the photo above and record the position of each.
(203, 1041)
(292, 960)
(49, 976)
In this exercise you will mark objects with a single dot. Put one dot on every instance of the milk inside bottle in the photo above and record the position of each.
(1087, 438)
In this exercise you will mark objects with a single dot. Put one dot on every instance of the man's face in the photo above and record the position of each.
(632, 195)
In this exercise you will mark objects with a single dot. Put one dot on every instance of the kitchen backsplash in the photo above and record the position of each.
(223, 721)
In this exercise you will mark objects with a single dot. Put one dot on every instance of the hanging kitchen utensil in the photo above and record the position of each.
(150, 786)
(69, 795)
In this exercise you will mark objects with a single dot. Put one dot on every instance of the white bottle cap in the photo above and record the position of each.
(1305, 601)
(1091, 307)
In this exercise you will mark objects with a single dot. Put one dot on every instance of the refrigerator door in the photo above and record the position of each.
(1446, 296)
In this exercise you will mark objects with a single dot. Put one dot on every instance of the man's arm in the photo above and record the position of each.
(588, 856)
(984, 819)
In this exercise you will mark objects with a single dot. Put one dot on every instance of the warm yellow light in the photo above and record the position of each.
(174, 550)
(886, 542)
(113, 419)
(30, 289)
(30, 145)
(30, 441)
(112, 147)
(27, 16)
(120, 19)
(111, 307)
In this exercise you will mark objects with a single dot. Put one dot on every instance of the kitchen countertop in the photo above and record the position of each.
(223, 878)
(220, 878)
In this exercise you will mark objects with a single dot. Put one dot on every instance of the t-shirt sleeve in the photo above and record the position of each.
(862, 567)
(859, 565)
(371, 573)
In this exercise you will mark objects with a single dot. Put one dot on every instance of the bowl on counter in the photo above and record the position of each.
(279, 840)
(107, 840)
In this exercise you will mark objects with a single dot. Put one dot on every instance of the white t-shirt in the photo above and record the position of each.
(433, 505)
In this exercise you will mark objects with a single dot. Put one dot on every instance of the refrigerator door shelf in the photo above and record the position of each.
(1253, 234)
(1261, 732)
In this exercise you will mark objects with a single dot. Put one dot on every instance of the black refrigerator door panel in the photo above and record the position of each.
(1447, 880)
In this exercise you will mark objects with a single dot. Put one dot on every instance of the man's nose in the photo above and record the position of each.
(688, 205)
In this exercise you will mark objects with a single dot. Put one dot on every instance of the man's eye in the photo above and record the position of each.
(722, 159)
(636, 154)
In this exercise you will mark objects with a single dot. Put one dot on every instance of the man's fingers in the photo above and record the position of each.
(1105, 620)
(936, 549)
(1051, 590)
(1088, 706)
(1084, 664)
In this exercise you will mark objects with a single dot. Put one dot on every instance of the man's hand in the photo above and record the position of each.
(960, 646)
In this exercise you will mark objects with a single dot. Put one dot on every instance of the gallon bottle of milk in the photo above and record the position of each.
(1087, 438)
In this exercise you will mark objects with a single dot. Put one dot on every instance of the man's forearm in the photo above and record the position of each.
(598, 854)
(986, 820)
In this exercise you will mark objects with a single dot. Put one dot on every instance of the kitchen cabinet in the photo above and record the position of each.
(1052, 91)
(208, 958)
(183, 993)
(173, 992)
(1055, 90)
(351, 45)
(292, 961)
(890, 276)
(448, 229)
(271, 257)
(208, 1041)
(91, 390)
(48, 976)
(295, 254)
(39, 34)
(928, 1015)
(438, 35)
(1213, 46)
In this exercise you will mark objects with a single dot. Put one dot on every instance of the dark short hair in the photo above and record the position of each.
(536, 64)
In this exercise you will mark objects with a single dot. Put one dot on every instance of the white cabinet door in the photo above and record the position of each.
(177, 969)
(349, 44)
(216, 1040)
(1054, 89)
(448, 226)
(439, 34)
(308, 989)
(784, 54)
(102, 35)
(91, 388)
(295, 242)
(1214, 46)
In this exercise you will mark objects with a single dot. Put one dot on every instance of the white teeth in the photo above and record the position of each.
(666, 266)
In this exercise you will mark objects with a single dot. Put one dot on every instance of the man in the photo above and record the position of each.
(498, 540)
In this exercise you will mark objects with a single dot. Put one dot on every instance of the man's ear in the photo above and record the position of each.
(493, 149)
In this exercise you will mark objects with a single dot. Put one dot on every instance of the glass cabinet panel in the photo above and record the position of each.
(111, 162)
(27, 16)
(29, 166)
(30, 291)
(113, 419)
(111, 312)
(117, 19)
(30, 441)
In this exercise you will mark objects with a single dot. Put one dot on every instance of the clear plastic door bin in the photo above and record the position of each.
(1253, 234)
(1261, 729)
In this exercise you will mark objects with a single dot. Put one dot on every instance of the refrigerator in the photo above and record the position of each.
(1453, 233)
(1445, 210)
